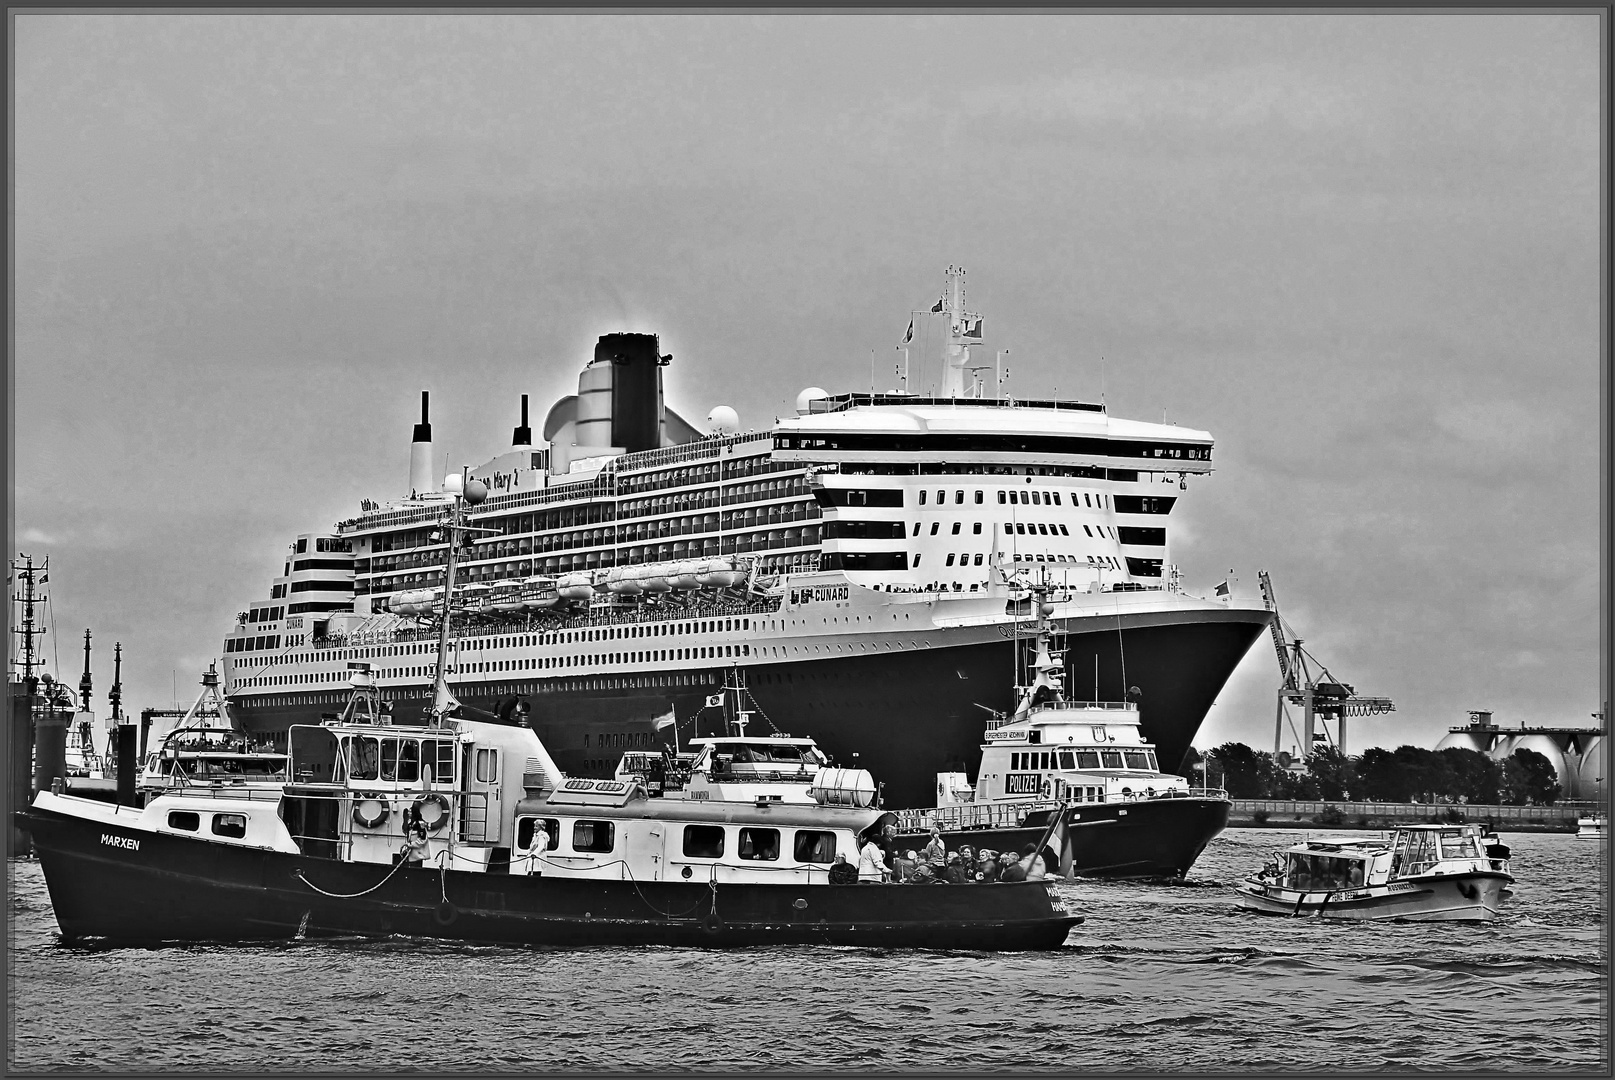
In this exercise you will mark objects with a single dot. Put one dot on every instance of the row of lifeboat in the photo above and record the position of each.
(715, 573)
(540, 593)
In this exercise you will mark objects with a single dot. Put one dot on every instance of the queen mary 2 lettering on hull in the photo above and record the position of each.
(863, 561)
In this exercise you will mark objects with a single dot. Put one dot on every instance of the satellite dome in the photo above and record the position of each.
(723, 420)
(453, 483)
(475, 491)
(812, 393)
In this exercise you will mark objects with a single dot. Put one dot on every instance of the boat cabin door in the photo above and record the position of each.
(479, 814)
(645, 852)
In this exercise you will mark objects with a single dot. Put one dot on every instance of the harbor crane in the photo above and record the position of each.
(1324, 700)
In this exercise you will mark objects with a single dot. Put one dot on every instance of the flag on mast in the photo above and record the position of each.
(1222, 589)
(908, 337)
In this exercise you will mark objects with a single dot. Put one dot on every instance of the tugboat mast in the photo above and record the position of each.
(84, 680)
(115, 695)
(29, 630)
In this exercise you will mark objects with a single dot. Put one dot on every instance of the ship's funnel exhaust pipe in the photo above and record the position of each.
(524, 434)
(420, 453)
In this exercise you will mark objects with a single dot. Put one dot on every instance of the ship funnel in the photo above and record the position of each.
(420, 453)
(523, 435)
(620, 394)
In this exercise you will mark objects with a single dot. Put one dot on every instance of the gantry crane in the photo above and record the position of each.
(1323, 700)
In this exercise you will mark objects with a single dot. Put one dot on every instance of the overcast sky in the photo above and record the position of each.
(1361, 249)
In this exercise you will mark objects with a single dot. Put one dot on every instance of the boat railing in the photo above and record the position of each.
(971, 815)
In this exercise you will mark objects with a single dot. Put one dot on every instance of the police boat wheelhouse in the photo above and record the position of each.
(1423, 873)
(1086, 760)
(464, 827)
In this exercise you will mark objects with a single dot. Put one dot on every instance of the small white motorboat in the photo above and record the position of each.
(1423, 873)
(1593, 826)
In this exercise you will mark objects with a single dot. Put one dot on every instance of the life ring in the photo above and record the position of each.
(369, 810)
(437, 818)
(1149, 792)
(712, 923)
(1048, 789)
(445, 913)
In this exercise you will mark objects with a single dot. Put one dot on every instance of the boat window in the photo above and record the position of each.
(524, 832)
(389, 759)
(703, 841)
(1137, 759)
(760, 844)
(487, 765)
(1112, 759)
(1324, 872)
(409, 763)
(188, 820)
(1068, 760)
(593, 836)
(813, 846)
(1419, 852)
(363, 755)
(233, 825)
(1457, 844)
(1087, 759)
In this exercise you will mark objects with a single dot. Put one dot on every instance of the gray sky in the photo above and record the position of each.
(1362, 249)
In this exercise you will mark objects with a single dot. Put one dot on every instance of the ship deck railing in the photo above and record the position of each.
(1000, 815)
(495, 626)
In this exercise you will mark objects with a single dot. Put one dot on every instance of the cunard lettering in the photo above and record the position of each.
(120, 842)
(818, 594)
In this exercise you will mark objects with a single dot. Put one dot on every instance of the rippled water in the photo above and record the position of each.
(1161, 977)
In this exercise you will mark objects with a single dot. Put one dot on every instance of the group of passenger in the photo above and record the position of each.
(936, 865)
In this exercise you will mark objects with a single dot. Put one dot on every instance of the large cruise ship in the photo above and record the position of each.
(864, 562)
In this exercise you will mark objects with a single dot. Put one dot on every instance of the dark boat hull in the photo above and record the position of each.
(903, 715)
(1149, 838)
(172, 888)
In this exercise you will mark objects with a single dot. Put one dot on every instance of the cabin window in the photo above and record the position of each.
(524, 832)
(363, 758)
(922, 496)
(487, 766)
(389, 759)
(758, 844)
(1137, 759)
(593, 836)
(409, 760)
(1456, 844)
(703, 841)
(188, 820)
(1068, 760)
(231, 825)
(815, 847)
(1112, 759)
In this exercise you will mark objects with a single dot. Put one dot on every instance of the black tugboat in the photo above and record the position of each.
(464, 828)
(1087, 760)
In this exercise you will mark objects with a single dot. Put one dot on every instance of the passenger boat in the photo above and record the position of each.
(464, 827)
(1086, 760)
(204, 751)
(1593, 826)
(855, 558)
(1423, 873)
(735, 766)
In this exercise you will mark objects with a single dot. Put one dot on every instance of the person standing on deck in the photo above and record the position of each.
(872, 863)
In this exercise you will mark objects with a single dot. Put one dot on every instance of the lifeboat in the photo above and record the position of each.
(686, 575)
(411, 602)
(474, 597)
(576, 586)
(539, 593)
(654, 577)
(506, 598)
(721, 573)
(624, 581)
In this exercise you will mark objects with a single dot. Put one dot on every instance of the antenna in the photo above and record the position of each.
(84, 680)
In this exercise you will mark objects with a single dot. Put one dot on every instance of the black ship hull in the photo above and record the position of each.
(123, 886)
(904, 715)
(1146, 838)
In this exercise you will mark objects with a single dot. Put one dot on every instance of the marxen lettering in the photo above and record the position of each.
(120, 842)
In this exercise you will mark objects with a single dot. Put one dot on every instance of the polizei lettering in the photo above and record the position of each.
(120, 841)
(818, 594)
